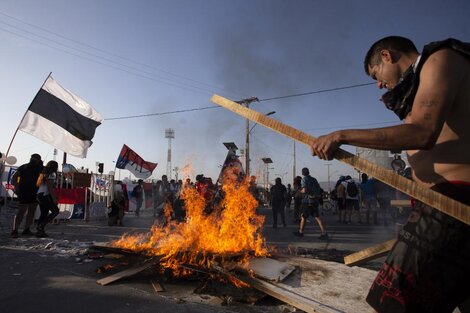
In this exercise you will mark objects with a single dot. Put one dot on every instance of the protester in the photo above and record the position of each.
(297, 194)
(429, 267)
(278, 201)
(384, 193)
(157, 200)
(288, 196)
(164, 190)
(351, 196)
(341, 199)
(46, 197)
(369, 198)
(24, 180)
(116, 215)
(311, 192)
(138, 194)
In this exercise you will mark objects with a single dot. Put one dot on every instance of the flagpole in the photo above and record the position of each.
(16, 131)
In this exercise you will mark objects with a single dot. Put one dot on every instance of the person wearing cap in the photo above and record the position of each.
(24, 181)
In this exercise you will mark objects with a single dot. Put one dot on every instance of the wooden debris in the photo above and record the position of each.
(269, 269)
(430, 197)
(370, 253)
(128, 272)
(104, 247)
(278, 292)
(157, 286)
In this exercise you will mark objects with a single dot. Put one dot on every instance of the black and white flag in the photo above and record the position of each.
(61, 119)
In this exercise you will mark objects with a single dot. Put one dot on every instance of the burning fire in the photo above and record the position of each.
(231, 232)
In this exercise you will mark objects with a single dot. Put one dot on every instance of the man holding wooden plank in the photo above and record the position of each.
(428, 269)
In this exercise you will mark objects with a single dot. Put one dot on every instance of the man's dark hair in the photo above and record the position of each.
(278, 181)
(35, 156)
(305, 171)
(396, 43)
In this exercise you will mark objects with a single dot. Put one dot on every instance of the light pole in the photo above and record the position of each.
(267, 161)
(247, 142)
(328, 166)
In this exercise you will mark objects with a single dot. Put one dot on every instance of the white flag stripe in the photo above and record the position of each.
(75, 102)
(137, 171)
(53, 134)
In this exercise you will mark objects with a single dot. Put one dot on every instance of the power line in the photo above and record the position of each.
(105, 64)
(160, 113)
(138, 72)
(212, 107)
(108, 53)
(318, 91)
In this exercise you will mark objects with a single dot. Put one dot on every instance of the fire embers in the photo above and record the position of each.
(233, 228)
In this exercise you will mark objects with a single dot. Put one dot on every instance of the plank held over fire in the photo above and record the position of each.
(442, 203)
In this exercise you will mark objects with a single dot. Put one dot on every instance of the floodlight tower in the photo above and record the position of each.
(169, 134)
(267, 161)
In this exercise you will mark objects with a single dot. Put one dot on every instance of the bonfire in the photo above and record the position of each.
(202, 240)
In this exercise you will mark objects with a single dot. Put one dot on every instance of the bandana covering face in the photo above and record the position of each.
(400, 98)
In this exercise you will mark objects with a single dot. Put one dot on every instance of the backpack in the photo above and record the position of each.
(312, 187)
(351, 189)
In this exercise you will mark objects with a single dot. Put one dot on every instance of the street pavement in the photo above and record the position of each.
(55, 274)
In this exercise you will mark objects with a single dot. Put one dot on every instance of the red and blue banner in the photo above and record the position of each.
(129, 160)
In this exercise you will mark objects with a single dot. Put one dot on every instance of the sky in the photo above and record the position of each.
(128, 58)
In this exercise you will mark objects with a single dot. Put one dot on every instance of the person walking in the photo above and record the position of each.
(46, 197)
(278, 201)
(24, 180)
(311, 192)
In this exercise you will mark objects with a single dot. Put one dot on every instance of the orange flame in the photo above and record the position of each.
(234, 229)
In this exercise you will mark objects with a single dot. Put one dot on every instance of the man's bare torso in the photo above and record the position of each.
(449, 159)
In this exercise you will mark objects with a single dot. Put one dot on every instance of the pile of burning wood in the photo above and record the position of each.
(225, 246)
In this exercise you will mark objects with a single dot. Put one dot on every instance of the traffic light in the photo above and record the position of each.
(100, 168)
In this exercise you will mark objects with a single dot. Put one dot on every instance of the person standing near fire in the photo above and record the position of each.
(138, 194)
(297, 195)
(24, 180)
(278, 201)
(428, 269)
(46, 197)
(310, 190)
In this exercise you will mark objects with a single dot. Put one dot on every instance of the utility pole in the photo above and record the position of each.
(293, 167)
(328, 165)
(246, 102)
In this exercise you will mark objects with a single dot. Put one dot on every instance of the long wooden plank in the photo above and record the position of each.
(287, 296)
(369, 254)
(126, 273)
(434, 199)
